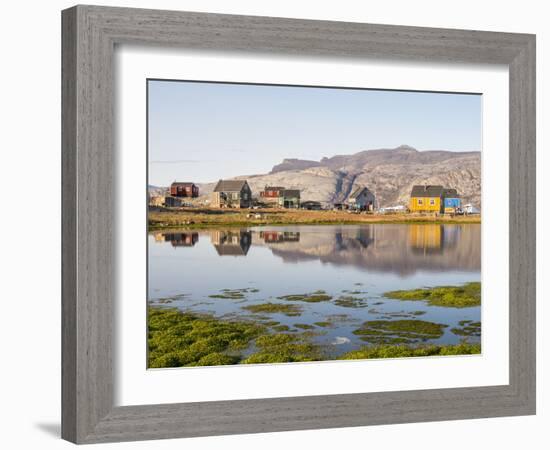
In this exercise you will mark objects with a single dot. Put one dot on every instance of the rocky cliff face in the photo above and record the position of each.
(389, 173)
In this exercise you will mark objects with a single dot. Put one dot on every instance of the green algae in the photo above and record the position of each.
(402, 314)
(467, 329)
(279, 348)
(464, 296)
(178, 338)
(313, 297)
(350, 301)
(234, 294)
(228, 296)
(323, 324)
(286, 309)
(167, 300)
(281, 328)
(304, 326)
(399, 331)
(407, 351)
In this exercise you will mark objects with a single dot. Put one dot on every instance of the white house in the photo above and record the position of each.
(362, 199)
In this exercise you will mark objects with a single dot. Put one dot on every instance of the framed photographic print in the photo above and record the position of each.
(278, 224)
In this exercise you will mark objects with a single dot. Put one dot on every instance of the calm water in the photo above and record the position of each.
(187, 267)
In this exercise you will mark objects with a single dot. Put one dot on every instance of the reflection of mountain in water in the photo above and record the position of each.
(397, 248)
(402, 249)
(231, 243)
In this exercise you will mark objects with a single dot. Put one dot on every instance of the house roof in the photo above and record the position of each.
(229, 185)
(450, 193)
(182, 183)
(358, 192)
(291, 193)
(427, 191)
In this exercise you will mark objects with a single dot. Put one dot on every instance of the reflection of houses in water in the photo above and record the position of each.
(272, 237)
(361, 239)
(159, 237)
(426, 238)
(393, 248)
(181, 239)
(432, 238)
(233, 243)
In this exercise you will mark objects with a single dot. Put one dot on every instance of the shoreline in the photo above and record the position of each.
(211, 218)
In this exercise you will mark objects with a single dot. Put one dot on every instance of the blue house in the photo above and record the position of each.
(451, 201)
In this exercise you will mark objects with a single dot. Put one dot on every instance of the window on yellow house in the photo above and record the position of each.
(432, 201)
(420, 202)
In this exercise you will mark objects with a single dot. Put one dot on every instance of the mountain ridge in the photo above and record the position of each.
(388, 173)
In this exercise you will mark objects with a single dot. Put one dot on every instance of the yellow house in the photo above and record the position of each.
(426, 199)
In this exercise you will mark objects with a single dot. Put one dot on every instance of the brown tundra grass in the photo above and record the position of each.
(204, 217)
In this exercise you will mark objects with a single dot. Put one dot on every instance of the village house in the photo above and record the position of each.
(172, 202)
(426, 199)
(434, 199)
(271, 194)
(451, 201)
(289, 198)
(311, 205)
(280, 196)
(178, 189)
(232, 194)
(361, 199)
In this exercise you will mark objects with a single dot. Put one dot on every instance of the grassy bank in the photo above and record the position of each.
(204, 218)
(178, 339)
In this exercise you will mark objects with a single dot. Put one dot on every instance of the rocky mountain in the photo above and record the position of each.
(157, 190)
(389, 173)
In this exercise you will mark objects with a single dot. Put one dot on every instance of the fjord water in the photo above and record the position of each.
(187, 267)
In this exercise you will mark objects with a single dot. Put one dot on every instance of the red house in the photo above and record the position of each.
(271, 192)
(178, 189)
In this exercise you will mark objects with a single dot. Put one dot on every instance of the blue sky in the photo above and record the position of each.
(206, 131)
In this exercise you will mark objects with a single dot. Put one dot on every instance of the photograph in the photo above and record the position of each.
(291, 224)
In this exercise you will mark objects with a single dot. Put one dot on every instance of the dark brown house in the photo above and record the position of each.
(178, 189)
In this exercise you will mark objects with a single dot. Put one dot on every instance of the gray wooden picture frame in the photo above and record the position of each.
(90, 34)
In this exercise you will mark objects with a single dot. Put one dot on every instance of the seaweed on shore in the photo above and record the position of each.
(464, 296)
(178, 338)
(286, 309)
(351, 301)
(467, 328)
(406, 351)
(399, 331)
(313, 297)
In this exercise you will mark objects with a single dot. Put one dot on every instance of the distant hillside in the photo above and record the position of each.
(389, 173)
(157, 190)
